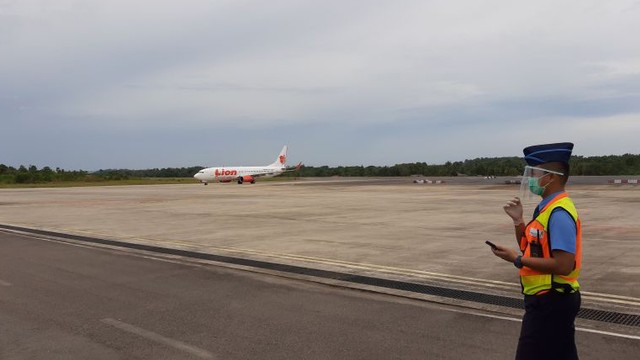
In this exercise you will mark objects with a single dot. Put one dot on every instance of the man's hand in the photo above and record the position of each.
(562, 262)
(505, 253)
(513, 208)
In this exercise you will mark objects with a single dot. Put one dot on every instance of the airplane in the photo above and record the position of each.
(243, 174)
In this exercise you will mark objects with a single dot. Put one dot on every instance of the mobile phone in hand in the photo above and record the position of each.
(493, 246)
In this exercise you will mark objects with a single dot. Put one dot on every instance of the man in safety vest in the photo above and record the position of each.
(550, 256)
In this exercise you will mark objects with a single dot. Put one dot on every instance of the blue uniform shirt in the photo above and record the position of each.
(562, 227)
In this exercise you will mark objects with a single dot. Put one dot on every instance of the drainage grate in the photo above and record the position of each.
(611, 317)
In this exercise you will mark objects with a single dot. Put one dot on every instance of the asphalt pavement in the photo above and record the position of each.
(66, 301)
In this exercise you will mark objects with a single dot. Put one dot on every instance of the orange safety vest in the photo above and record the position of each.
(536, 243)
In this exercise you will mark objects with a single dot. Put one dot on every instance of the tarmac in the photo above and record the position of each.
(389, 227)
(61, 300)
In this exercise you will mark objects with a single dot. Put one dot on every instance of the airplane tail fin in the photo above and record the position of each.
(281, 160)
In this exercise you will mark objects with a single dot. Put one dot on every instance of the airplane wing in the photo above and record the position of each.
(261, 175)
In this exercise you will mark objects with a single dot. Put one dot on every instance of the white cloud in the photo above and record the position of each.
(615, 69)
(258, 66)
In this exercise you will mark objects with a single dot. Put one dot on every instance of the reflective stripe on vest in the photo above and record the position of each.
(535, 243)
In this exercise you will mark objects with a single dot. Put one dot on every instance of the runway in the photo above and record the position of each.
(67, 301)
(390, 230)
(410, 228)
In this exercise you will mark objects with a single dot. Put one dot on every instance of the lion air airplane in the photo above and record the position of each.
(243, 174)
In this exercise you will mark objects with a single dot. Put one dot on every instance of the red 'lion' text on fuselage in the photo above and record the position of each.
(223, 172)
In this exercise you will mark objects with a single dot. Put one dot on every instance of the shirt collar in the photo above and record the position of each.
(548, 199)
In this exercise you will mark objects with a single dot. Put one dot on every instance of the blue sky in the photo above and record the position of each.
(89, 84)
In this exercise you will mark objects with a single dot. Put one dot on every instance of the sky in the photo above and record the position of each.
(94, 84)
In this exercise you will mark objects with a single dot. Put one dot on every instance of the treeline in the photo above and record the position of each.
(627, 164)
(125, 174)
(33, 175)
(484, 166)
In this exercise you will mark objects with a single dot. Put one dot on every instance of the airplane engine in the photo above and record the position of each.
(247, 178)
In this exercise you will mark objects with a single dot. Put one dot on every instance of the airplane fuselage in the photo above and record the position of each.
(243, 174)
(237, 173)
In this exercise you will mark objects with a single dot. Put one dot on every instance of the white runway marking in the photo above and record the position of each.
(4, 283)
(609, 333)
(203, 354)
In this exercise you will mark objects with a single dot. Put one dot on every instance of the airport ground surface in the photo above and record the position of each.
(59, 301)
(391, 228)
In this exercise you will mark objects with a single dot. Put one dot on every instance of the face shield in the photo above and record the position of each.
(530, 188)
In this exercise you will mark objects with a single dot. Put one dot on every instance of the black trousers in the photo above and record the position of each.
(548, 330)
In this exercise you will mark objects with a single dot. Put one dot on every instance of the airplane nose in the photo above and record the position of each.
(197, 176)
